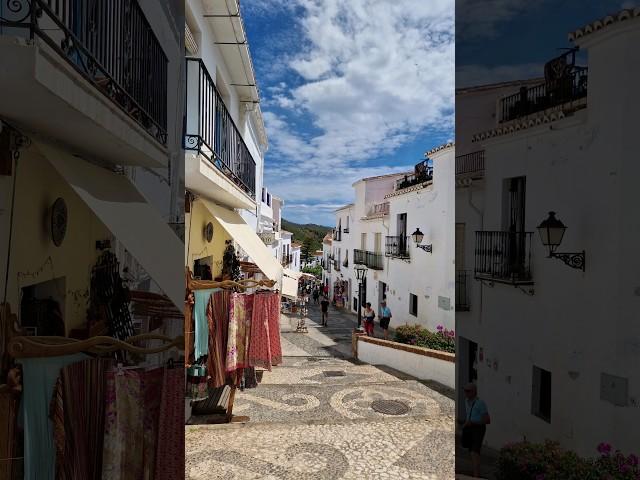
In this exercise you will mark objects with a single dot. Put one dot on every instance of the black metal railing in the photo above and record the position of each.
(110, 43)
(422, 173)
(470, 164)
(370, 259)
(546, 95)
(336, 265)
(345, 230)
(210, 130)
(503, 257)
(337, 234)
(397, 246)
(462, 292)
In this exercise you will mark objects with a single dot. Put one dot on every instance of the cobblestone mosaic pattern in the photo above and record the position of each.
(405, 449)
(307, 425)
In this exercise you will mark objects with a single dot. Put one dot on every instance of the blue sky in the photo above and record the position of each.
(500, 40)
(349, 90)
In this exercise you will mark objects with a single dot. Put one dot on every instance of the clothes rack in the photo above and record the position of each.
(242, 285)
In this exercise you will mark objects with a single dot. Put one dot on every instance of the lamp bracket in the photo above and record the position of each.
(573, 259)
(426, 248)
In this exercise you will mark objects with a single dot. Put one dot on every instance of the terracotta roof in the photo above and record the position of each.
(327, 239)
(602, 23)
(295, 245)
(440, 147)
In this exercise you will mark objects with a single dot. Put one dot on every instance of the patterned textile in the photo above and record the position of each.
(240, 317)
(124, 427)
(78, 417)
(201, 346)
(39, 376)
(218, 318)
(189, 328)
(260, 344)
(273, 317)
(170, 457)
(152, 382)
(197, 382)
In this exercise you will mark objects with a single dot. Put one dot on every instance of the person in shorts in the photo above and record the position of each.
(385, 318)
(476, 421)
(324, 307)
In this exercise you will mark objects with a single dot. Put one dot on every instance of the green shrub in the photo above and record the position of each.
(443, 339)
(548, 461)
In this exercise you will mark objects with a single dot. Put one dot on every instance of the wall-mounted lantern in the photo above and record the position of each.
(551, 231)
(417, 239)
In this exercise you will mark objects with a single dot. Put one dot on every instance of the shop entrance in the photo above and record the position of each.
(42, 308)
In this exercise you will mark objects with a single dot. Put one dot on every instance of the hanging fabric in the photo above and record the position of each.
(189, 327)
(240, 318)
(273, 317)
(169, 459)
(77, 413)
(201, 346)
(39, 377)
(218, 318)
(259, 343)
(152, 384)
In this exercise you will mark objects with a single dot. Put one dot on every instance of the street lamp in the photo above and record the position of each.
(551, 231)
(361, 275)
(417, 238)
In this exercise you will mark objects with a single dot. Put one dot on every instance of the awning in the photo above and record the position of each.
(292, 274)
(248, 240)
(130, 218)
(290, 283)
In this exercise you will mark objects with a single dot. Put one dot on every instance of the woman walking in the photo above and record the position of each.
(369, 315)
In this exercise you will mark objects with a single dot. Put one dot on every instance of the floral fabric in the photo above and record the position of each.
(240, 318)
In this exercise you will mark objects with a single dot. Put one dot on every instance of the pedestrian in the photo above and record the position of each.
(369, 315)
(385, 318)
(324, 306)
(475, 426)
(316, 295)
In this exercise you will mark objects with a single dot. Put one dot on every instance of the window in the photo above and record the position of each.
(377, 246)
(541, 394)
(363, 241)
(264, 197)
(413, 304)
(268, 199)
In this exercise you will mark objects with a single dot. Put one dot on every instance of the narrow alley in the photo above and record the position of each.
(324, 415)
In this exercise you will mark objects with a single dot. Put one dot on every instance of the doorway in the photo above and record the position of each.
(382, 292)
(42, 308)
(467, 371)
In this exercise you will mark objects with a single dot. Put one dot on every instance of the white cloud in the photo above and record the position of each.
(370, 76)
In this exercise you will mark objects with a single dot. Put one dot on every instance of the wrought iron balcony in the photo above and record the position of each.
(569, 88)
(210, 130)
(336, 265)
(471, 164)
(370, 259)
(345, 230)
(110, 43)
(503, 257)
(422, 173)
(337, 234)
(462, 292)
(397, 247)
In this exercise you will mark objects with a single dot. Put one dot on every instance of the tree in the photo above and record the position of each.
(317, 271)
(306, 249)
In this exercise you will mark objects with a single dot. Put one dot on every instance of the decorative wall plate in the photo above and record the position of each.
(208, 232)
(59, 219)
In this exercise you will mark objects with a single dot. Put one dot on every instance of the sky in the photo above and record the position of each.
(349, 89)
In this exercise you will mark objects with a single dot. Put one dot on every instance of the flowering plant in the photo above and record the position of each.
(443, 339)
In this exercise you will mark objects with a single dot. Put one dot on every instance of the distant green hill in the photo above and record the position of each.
(309, 232)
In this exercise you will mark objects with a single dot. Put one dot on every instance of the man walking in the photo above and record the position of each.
(324, 306)
(475, 427)
(385, 318)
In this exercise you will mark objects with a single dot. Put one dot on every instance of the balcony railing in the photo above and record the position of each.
(397, 247)
(286, 260)
(370, 259)
(336, 265)
(111, 44)
(462, 292)
(503, 257)
(210, 130)
(337, 234)
(379, 209)
(345, 230)
(471, 164)
(546, 95)
(422, 173)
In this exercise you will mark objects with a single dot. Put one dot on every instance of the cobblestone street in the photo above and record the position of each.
(322, 415)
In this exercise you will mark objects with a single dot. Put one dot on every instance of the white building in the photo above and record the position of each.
(91, 146)
(553, 348)
(376, 230)
(225, 143)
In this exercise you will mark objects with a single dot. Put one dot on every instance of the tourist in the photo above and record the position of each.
(369, 315)
(385, 318)
(316, 295)
(324, 305)
(475, 425)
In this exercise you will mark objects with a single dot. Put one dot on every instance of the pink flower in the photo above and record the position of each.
(604, 448)
(439, 328)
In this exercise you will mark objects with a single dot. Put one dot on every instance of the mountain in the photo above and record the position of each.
(310, 231)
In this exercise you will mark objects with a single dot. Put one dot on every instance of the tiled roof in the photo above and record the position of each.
(295, 245)
(601, 24)
(440, 147)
